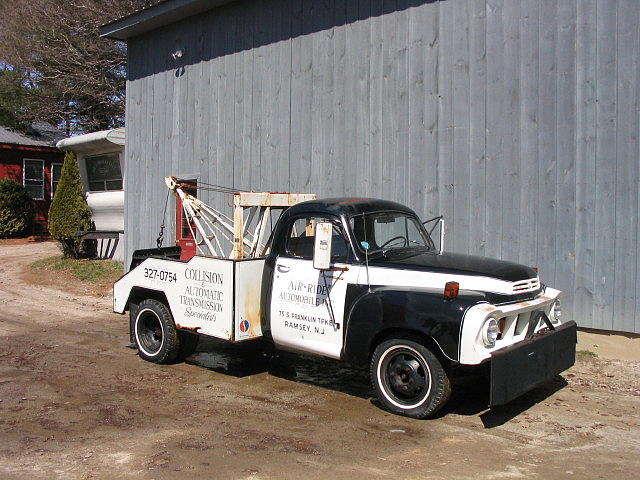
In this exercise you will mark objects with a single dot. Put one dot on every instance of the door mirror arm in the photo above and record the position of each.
(436, 221)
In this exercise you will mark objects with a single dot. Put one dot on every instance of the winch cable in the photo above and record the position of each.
(159, 240)
(212, 187)
(210, 217)
(218, 215)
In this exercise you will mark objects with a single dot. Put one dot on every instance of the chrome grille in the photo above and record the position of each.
(526, 285)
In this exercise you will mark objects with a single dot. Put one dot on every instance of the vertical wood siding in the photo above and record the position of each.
(517, 120)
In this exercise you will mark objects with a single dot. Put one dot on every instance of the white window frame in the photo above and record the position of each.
(52, 164)
(98, 155)
(24, 174)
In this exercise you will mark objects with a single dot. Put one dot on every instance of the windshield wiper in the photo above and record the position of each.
(408, 249)
(376, 253)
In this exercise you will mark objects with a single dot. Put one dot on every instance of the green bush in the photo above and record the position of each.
(16, 209)
(69, 212)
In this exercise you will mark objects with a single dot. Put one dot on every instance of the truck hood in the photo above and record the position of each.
(454, 263)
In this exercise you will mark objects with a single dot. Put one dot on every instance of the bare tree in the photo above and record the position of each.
(70, 74)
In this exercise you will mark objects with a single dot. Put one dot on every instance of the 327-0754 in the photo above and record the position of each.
(163, 275)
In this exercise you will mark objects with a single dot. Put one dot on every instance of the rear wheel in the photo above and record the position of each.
(155, 332)
(408, 378)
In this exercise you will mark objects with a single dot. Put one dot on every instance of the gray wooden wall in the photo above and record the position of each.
(518, 120)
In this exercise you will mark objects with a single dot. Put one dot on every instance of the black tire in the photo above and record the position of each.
(155, 332)
(408, 378)
(188, 344)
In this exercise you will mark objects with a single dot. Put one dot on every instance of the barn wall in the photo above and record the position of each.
(517, 120)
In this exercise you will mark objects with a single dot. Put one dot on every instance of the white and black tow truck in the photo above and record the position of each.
(354, 279)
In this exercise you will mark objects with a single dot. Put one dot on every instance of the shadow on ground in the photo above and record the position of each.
(251, 358)
(470, 395)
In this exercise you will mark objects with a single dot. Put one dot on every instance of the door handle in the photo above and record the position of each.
(283, 268)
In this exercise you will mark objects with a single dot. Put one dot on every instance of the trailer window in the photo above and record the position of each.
(301, 239)
(103, 172)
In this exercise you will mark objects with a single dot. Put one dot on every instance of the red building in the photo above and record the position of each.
(35, 162)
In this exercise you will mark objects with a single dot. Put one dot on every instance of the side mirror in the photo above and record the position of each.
(322, 246)
(431, 225)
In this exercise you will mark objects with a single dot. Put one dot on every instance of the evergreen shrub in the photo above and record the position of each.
(16, 209)
(69, 212)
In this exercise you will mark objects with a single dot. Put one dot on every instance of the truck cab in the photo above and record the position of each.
(360, 280)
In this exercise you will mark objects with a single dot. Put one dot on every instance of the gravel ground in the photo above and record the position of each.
(75, 403)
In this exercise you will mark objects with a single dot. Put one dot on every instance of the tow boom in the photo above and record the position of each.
(214, 227)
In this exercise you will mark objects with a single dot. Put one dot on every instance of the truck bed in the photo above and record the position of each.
(213, 296)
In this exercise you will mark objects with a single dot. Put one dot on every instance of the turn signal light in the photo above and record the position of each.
(501, 325)
(451, 290)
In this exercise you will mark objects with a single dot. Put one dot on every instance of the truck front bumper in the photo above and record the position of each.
(518, 368)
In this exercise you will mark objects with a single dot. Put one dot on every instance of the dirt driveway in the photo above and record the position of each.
(76, 403)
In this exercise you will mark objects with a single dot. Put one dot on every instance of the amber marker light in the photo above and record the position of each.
(451, 290)
(501, 324)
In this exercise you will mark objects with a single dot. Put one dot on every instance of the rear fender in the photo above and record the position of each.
(137, 295)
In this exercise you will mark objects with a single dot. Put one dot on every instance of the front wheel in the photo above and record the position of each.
(408, 378)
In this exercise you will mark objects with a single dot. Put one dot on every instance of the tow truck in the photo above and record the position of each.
(355, 279)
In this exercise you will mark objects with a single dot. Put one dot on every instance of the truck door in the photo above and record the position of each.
(184, 228)
(307, 305)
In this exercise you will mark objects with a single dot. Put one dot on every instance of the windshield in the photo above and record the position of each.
(384, 231)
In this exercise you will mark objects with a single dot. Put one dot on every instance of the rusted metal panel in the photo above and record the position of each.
(269, 199)
(248, 288)
(265, 201)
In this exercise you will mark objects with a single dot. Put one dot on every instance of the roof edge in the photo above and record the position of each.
(91, 141)
(156, 16)
(35, 148)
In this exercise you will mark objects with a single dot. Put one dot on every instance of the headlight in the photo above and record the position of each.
(556, 312)
(490, 332)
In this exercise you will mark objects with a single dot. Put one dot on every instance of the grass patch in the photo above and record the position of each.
(86, 270)
(586, 354)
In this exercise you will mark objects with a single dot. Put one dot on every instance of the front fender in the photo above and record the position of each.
(421, 310)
